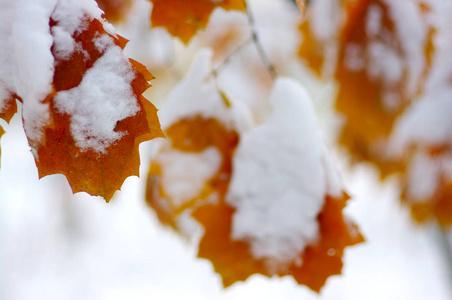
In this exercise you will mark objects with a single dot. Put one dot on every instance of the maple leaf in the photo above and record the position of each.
(90, 163)
(215, 202)
(376, 75)
(369, 102)
(325, 257)
(183, 19)
(191, 135)
(233, 260)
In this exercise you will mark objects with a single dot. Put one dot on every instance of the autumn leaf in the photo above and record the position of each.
(191, 135)
(200, 157)
(234, 262)
(74, 145)
(183, 19)
(372, 97)
(325, 258)
(378, 72)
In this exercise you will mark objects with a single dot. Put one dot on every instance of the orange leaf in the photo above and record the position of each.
(233, 261)
(325, 258)
(183, 18)
(192, 135)
(231, 258)
(9, 108)
(87, 169)
(375, 74)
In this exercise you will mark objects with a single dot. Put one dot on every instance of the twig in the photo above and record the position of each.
(447, 250)
(258, 45)
(218, 69)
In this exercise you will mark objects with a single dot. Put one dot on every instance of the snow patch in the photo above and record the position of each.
(280, 179)
(103, 98)
(185, 174)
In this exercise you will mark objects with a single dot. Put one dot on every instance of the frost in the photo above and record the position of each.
(279, 178)
(103, 98)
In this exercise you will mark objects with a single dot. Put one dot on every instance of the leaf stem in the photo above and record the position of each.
(239, 48)
(258, 44)
(446, 247)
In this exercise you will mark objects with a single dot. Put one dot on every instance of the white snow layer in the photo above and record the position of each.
(185, 174)
(26, 63)
(103, 98)
(280, 178)
(70, 13)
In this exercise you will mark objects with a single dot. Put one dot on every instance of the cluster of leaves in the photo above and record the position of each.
(349, 48)
(382, 70)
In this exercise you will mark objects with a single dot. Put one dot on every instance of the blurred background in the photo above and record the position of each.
(55, 245)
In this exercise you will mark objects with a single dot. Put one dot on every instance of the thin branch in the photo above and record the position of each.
(446, 248)
(218, 69)
(258, 44)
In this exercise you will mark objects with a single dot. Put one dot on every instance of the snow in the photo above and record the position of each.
(25, 35)
(103, 42)
(277, 213)
(103, 98)
(64, 45)
(184, 174)
(324, 19)
(423, 177)
(385, 63)
(70, 13)
(374, 19)
(427, 121)
(411, 29)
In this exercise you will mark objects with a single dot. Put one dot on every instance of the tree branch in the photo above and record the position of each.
(239, 48)
(258, 44)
